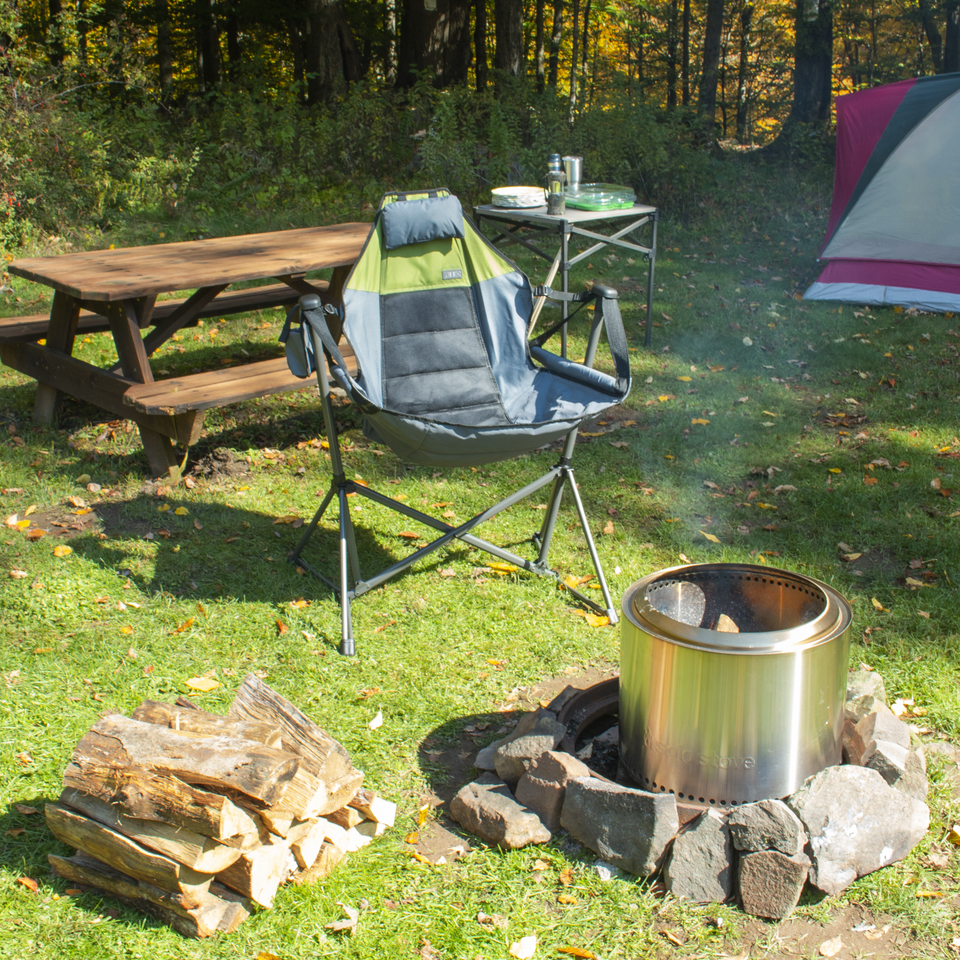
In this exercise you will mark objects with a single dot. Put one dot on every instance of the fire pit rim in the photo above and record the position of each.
(833, 619)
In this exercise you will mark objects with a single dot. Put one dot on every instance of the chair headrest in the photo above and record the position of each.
(416, 221)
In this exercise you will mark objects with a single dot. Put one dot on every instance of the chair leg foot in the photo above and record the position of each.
(347, 647)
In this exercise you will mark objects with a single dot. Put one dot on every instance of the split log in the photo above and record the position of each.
(375, 808)
(346, 817)
(213, 914)
(259, 873)
(321, 756)
(193, 850)
(321, 868)
(194, 720)
(127, 856)
(149, 796)
(249, 768)
(306, 847)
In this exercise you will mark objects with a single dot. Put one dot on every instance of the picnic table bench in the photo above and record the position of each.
(116, 291)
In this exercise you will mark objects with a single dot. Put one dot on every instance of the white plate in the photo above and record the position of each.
(518, 197)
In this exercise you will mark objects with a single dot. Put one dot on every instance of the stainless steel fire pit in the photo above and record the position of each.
(732, 681)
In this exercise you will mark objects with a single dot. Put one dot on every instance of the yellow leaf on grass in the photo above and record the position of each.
(593, 619)
(953, 835)
(31, 509)
(409, 535)
(62, 550)
(502, 568)
(710, 537)
(566, 898)
(664, 397)
(877, 604)
(202, 684)
(685, 379)
(575, 951)
(587, 433)
(835, 470)
(870, 481)
(186, 625)
(716, 369)
(700, 420)
(22, 524)
(127, 629)
(181, 511)
(163, 508)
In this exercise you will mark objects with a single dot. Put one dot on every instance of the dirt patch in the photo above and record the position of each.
(220, 464)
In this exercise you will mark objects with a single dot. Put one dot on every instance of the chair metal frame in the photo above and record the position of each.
(561, 475)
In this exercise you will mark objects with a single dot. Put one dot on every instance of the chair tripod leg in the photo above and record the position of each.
(550, 521)
(295, 556)
(611, 613)
(348, 550)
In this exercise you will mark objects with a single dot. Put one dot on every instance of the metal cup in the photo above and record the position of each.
(573, 168)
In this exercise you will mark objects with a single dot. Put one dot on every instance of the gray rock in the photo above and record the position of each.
(865, 683)
(853, 745)
(767, 825)
(888, 759)
(771, 882)
(629, 828)
(514, 757)
(884, 725)
(487, 809)
(486, 757)
(544, 785)
(859, 707)
(701, 865)
(856, 824)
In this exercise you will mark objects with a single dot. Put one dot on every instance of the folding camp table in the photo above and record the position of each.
(509, 222)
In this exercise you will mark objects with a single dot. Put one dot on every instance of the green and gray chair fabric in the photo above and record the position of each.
(438, 320)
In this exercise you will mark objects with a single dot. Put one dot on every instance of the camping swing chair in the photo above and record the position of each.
(439, 320)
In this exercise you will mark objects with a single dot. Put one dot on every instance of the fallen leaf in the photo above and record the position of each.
(181, 511)
(202, 684)
(577, 952)
(608, 528)
(524, 948)
(282, 628)
(710, 537)
(186, 625)
(24, 758)
(685, 379)
(502, 568)
(673, 938)
(377, 721)
(566, 876)
(32, 885)
(349, 925)
(877, 604)
(25, 810)
(163, 508)
(409, 535)
(16, 831)
(850, 557)
(62, 550)
(953, 835)
(492, 920)
(830, 948)
(700, 420)
(17, 574)
(566, 898)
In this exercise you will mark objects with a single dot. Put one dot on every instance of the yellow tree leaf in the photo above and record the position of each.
(524, 948)
(181, 511)
(710, 537)
(877, 604)
(700, 420)
(62, 550)
(502, 567)
(202, 684)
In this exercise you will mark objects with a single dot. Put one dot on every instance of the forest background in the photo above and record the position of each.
(213, 115)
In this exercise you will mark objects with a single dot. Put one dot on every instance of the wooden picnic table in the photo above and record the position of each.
(117, 290)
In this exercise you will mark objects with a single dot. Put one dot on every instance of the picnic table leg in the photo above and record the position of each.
(61, 332)
(125, 326)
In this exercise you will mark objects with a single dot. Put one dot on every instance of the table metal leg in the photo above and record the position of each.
(652, 257)
(64, 316)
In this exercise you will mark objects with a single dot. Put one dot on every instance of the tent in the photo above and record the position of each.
(894, 230)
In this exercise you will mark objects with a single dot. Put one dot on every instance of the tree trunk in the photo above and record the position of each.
(330, 53)
(390, 28)
(436, 41)
(685, 54)
(574, 55)
(672, 17)
(233, 40)
(812, 74)
(164, 46)
(209, 73)
(480, 44)
(539, 48)
(707, 99)
(585, 54)
(951, 45)
(556, 36)
(508, 56)
(933, 35)
(296, 48)
(55, 34)
(746, 17)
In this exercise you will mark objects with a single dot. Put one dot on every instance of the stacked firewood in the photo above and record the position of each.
(197, 818)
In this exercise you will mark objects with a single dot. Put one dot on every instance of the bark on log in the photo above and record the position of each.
(194, 720)
(148, 796)
(320, 754)
(122, 853)
(193, 850)
(212, 915)
(252, 769)
(259, 873)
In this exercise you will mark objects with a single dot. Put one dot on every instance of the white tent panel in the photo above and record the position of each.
(875, 295)
(909, 210)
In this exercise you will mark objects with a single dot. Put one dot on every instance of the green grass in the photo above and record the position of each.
(812, 399)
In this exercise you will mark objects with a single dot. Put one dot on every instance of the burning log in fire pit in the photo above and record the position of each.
(197, 819)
